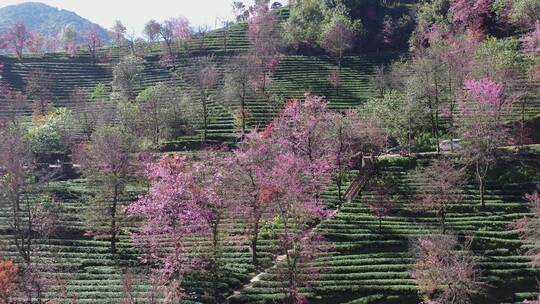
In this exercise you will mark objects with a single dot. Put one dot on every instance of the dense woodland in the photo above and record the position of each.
(327, 151)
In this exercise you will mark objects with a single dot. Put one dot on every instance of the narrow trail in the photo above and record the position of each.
(257, 278)
(350, 194)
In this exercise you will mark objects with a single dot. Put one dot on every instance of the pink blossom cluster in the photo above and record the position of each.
(531, 41)
(488, 92)
(470, 14)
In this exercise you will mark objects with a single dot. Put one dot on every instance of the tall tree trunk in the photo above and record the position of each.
(482, 191)
(216, 257)
(243, 109)
(432, 121)
(339, 181)
(522, 125)
(29, 235)
(437, 115)
(437, 131)
(205, 118)
(443, 222)
(113, 218)
(169, 48)
(292, 281)
(409, 135)
(254, 239)
(481, 184)
(156, 126)
(39, 294)
(263, 79)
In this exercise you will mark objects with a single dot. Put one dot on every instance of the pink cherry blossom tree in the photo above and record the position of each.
(250, 183)
(531, 40)
(282, 172)
(17, 38)
(93, 42)
(303, 129)
(36, 43)
(471, 14)
(489, 93)
(187, 198)
(211, 192)
(170, 31)
(263, 32)
(297, 206)
(170, 215)
(301, 172)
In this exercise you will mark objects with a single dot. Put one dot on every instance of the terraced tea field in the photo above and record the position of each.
(371, 263)
(294, 76)
(91, 273)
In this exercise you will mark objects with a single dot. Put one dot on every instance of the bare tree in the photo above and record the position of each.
(202, 32)
(31, 209)
(39, 89)
(445, 270)
(107, 163)
(381, 198)
(118, 32)
(439, 186)
(165, 111)
(87, 112)
(482, 128)
(339, 35)
(126, 77)
(205, 75)
(529, 227)
(237, 87)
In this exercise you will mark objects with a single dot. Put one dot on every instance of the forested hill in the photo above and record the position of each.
(45, 20)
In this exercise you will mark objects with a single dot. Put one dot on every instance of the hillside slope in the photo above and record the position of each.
(371, 262)
(45, 20)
